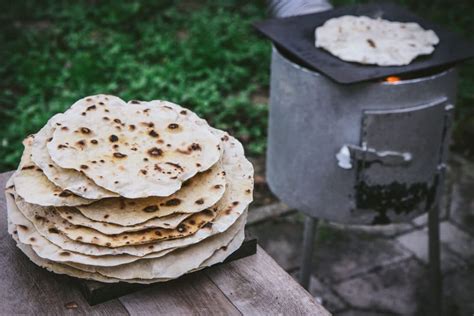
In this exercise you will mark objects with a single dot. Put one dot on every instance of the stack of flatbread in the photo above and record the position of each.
(137, 192)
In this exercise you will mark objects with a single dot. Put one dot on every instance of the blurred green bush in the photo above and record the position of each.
(202, 55)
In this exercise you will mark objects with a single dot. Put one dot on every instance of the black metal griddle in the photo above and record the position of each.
(294, 36)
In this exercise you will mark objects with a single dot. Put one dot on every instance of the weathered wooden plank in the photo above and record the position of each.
(257, 285)
(193, 294)
(97, 292)
(30, 290)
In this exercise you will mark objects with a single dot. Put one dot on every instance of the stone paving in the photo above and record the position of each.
(362, 270)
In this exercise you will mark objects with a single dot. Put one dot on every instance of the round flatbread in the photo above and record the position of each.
(176, 263)
(75, 217)
(154, 144)
(57, 225)
(34, 187)
(45, 255)
(374, 41)
(64, 268)
(28, 235)
(196, 194)
(67, 179)
(60, 268)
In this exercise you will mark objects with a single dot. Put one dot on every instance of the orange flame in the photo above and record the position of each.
(392, 79)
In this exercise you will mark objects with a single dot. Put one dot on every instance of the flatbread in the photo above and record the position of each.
(223, 252)
(57, 225)
(34, 187)
(157, 146)
(239, 177)
(60, 268)
(68, 268)
(375, 41)
(196, 194)
(75, 217)
(67, 179)
(28, 235)
(176, 263)
(85, 105)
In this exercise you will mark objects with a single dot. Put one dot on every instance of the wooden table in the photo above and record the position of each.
(254, 285)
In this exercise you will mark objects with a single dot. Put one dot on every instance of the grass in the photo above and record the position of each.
(203, 55)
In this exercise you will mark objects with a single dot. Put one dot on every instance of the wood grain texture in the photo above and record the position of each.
(30, 290)
(194, 294)
(257, 285)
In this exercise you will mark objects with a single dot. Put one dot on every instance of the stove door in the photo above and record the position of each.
(400, 154)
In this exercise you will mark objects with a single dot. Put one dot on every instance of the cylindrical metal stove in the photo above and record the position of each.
(365, 153)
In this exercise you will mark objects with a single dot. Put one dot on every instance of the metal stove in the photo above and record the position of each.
(354, 143)
(366, 153)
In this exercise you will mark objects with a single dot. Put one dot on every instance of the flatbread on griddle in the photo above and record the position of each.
(374, 41)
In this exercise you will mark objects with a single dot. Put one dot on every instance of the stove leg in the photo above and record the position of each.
(435, 262)
(308, 242)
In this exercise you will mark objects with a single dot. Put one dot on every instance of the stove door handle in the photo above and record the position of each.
(350, 153)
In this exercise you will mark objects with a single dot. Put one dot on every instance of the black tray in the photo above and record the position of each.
(295, 37)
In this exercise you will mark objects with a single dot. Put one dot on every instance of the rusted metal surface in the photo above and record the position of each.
(312, 118)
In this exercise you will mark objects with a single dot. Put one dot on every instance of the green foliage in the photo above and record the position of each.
(204, 56)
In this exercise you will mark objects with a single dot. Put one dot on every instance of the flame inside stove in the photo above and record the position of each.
(392, 79)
